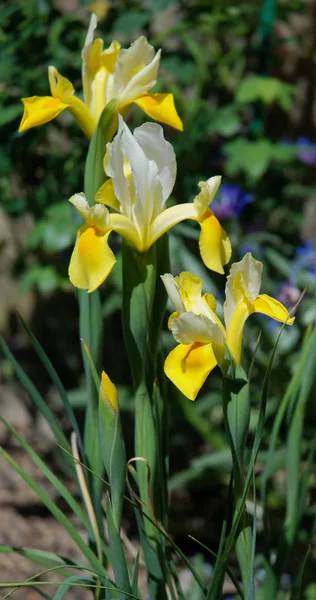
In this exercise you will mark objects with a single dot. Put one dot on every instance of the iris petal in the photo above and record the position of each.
(39, 110)
(160, 107)
(91, 260)
(272, 308)
(215, 246)
(188, 366)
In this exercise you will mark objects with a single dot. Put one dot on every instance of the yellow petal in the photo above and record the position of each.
(60, 86)
(106, 195)
(160, 107)
(272, 308)
(108, 390)
(39, 110)
(214, 243)
(189, 366)
(91, 260)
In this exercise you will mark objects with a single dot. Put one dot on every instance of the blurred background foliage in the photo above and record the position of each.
(243, 76)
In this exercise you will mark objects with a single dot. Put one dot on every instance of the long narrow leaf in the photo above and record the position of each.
(35, 395)
(59, 486)
(58, 514)
(55, 379)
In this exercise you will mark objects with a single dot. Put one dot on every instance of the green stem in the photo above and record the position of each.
(236, 408)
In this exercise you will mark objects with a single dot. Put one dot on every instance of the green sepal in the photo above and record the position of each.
(94, 175)
(113, 454)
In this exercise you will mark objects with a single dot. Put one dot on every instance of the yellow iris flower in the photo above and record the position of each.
(142, 171)
(199, 331)
(113, 73)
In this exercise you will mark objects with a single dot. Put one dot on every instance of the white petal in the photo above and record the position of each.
(151, 139)
(251, 272)
(173, 292)
(85, 54)
(136, 71)
(115, 169)
(96, 216)
(148, 189)
(208, 190)
(190, 328)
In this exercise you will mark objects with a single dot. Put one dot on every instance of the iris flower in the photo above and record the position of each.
(199, 331)
(113, 73)
(142, 172)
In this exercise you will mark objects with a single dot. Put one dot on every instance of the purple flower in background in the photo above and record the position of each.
(288, 294)
(231, 201)
(305, 259)
(306, 150)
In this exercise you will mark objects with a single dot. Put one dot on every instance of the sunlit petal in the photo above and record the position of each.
(91, 260)
(136, 71)
(208, 190)
(189, 328)
(96, 216)
(215, 246)
(188, 367)
(160, 107)
(244, 279)
(272, 308)
(150, 137)
(86, 60)
(39, 110)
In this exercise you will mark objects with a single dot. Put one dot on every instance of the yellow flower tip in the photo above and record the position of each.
(160, 107)
(92, 259)
(214, 244)
(108, 391)
(39, 110)
(272, 308)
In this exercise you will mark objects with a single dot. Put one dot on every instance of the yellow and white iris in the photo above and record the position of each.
(113, 73)
(142, 171)
(198, 330)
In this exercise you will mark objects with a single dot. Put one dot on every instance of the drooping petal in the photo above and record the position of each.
(272, 308)
(39, 110)
(205, 197)
(189, 366)
(91, 260)
(244, 279)
(63, 90)
(136, 71)
(215, 246)
(160, 107)
(96, 216)
(60, 86)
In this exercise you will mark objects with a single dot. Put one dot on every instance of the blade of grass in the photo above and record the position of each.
(58, 514)
(55, 379)
(42, 557)
(59, 486)
(67, 584)
(36, 397)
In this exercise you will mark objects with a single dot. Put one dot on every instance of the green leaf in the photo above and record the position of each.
(42, 557)
(10, 113)
(131, 21)
(58, 514)
(118, 559)
(113, 453)
(67, 584)
(254, 157)
(266, 89)
(55, 379)
(37, 398)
